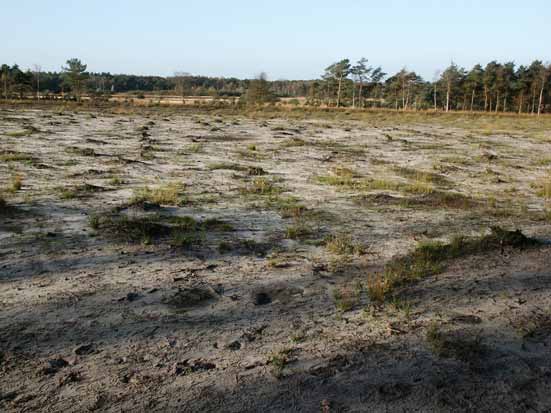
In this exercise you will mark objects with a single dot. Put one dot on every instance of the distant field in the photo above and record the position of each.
(225, 259)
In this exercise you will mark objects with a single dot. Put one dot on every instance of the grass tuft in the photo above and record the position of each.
(169, 194)
(183, 231)
(299, 230)
(16, 183)
(18, 133)
(261, 186)
(346, 297)
(343, 244)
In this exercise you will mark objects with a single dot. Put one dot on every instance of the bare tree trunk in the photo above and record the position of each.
(353, 95)
(435, 109)
(38, 86)
(472, 101)
(521, 97)
(533, 101)
(339, 92)
(486, 98)
(497, 101)
(541, 93)
(360, 96)
(448, 97)
(505, 104)
(6, 86)
(464, 107)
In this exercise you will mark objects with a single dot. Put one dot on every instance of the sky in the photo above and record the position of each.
(286, 39)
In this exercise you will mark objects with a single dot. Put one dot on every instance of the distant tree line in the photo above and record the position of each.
(496, 87)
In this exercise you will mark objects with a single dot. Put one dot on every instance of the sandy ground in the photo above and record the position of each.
(247, 318)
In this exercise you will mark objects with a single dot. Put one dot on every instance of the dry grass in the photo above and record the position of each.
(377, 288)
(16, 183)
(343, 244)
(346, 297)
(298, 230)
(18, 133)
(419, 187)
(293, 142)
(11, 156)
(545, 189)
(278, 360)
(287, 206)
(78, 191)
(230, 166)
(261, 186)
(420, 176)
(168, 194)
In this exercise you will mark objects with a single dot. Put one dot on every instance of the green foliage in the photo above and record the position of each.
(430, 257)
(258, 92)
(497, 87)
(75, 75)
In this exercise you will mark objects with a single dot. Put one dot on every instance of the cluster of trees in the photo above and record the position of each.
(497, 87)
(16, 83)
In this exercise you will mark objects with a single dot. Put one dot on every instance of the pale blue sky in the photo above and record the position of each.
(287, 39)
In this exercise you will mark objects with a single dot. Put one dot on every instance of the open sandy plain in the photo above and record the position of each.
(185, 260)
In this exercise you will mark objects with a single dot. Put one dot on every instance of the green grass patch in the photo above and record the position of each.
(299, 230)
(431, 257)
(10, 156)
(19, 133)
(183, 231)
